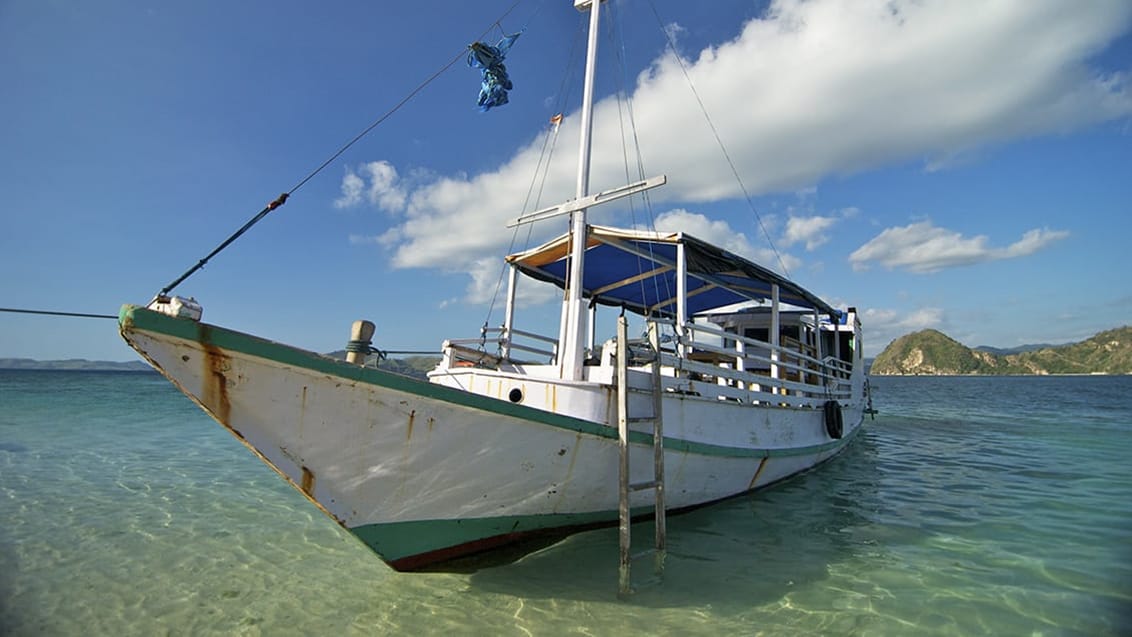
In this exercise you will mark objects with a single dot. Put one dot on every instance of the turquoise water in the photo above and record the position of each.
(970, 506)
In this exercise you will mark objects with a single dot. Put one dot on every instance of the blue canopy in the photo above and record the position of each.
(637, 270)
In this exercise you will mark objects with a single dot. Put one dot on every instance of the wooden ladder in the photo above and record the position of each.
(657, 483)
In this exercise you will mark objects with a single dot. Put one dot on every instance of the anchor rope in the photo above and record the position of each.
(282, 199)
(352, 346)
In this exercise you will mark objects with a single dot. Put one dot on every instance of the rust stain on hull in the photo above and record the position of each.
(307, 485)
(215, 364)
(214, 400)
(758, 472)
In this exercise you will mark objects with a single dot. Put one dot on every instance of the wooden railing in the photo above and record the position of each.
(702, 360)
(505, 342)
(733, 367)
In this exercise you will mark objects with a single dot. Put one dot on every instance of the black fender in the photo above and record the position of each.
(834, 423)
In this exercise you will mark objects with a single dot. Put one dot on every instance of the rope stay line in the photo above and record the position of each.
(618, 41)
(549, 141)
(734, 171)
(546, 154)
(54, 313)
(282, 199)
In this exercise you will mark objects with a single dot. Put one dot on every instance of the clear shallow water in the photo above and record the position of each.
(969, 506)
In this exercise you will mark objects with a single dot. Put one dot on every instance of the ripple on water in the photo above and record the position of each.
(945, 517)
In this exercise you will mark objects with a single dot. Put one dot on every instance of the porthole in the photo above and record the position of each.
(516, 395)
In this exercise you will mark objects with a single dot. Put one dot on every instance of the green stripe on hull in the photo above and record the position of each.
(132, 317)
(399, 540)
(412, 545)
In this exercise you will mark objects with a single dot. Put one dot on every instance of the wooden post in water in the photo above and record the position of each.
(624, 513)
(361, 338)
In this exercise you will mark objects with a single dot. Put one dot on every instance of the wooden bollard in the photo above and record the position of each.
(361, 338)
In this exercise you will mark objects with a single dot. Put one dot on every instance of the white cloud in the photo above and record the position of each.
(489, 281)
(922, 247)
(812, 89)
(723, 235)
(385, 190)
(361, 240)
(919, 319)
(699, 226)
(885, 325)
(673, 31)
(808, 230)
(1033, 241)
(352, 186)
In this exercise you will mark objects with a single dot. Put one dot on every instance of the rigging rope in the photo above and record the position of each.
(52, 313)
(282, 199)
(651, 220)
(546, 154)
(746, 195)
(550, 140)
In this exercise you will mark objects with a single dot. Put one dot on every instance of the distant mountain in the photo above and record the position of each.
(931, 352)
(415, 366)
(1021, 349)
(75, 364)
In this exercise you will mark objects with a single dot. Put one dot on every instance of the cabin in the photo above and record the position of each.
(726, 328)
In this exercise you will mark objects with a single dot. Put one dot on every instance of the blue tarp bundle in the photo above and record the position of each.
(493, 89)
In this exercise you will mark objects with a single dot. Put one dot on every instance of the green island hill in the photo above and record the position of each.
(933, 353)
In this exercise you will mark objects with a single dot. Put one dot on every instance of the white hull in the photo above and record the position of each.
(423, 472)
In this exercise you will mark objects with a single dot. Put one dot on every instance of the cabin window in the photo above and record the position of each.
(827, 343)
(757, 333)
(846, 346)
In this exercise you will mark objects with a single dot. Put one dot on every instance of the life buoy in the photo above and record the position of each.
(833, 419)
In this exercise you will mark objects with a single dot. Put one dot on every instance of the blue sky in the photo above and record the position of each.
(965, 166)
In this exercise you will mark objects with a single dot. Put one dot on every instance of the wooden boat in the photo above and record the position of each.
(745, 378)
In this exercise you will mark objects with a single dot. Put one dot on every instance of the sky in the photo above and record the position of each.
(963, 166)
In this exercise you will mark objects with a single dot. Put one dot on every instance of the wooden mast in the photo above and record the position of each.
(573, 342)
